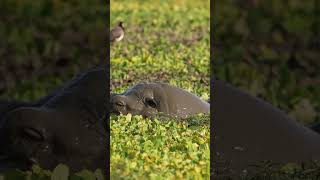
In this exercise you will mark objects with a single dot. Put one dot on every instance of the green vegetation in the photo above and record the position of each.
(165, 41)
(271, 49)
(60, 172)
(45, 43)
(155, 149)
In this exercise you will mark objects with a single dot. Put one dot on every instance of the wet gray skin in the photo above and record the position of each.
(248, 130)
(148, 99)
(67, 126)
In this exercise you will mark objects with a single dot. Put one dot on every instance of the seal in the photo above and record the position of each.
(148, 99)
(67, 126)
(247, 130)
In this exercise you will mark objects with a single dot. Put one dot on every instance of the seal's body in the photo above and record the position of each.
(248, 130)
(149, 98)
(67, 126)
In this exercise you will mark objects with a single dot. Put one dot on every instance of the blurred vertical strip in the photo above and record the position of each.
(108, 89)
(271, 50)
(211, 88)
(317, 23)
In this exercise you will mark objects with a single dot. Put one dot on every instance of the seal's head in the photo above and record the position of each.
(143, 99)
(47, 137)
(146, 99)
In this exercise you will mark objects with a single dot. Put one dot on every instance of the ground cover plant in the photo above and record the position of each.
(157, 149)
(43, 44)
(168, 42)
(271, 50)
(59, 172)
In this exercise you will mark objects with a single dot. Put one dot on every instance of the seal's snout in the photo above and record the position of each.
(118, 104)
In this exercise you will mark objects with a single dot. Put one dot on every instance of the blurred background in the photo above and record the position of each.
(271, 49)
(164, 41)
(44, 43)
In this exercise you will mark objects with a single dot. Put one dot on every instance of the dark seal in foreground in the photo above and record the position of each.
(248, 130)
(67, 126)
(147, 99)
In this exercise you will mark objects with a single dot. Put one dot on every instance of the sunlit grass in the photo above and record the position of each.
(165, 41)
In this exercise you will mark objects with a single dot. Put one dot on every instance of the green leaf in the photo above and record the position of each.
(86, 174)
(61, 172)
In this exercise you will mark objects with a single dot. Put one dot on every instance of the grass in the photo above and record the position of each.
(168, 42)
(60, 172)
(271, 49)
(155, 149)
(45, 43)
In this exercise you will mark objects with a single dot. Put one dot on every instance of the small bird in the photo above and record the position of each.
(117, 33)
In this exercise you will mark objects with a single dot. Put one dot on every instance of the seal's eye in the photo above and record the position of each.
(33, 133)
(120, 103)
(151, 102)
